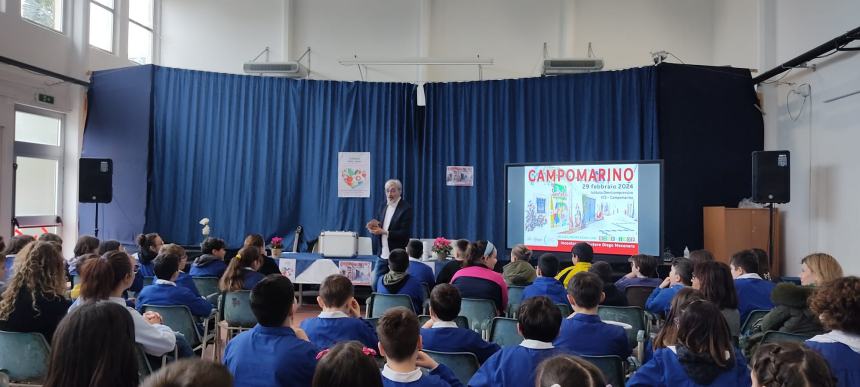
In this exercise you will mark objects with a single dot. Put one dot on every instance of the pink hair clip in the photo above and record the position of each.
(322, 353)
(365, 350)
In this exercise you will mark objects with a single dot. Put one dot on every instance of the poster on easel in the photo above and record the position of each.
(353, 174)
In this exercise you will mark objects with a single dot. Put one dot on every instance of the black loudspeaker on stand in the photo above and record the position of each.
(95, 183)
(771, 183)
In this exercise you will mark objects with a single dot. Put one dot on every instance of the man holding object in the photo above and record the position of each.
(393, 231)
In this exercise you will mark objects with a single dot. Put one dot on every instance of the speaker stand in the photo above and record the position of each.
(96, 229)
(770, 236)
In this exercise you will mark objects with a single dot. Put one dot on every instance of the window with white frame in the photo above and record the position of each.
(101, 24)
(140, 30)
(38, 169)
(48, 13)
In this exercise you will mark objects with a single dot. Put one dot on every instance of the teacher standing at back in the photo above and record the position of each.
(392, 232)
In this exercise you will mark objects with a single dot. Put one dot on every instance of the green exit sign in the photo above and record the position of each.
(44, 98)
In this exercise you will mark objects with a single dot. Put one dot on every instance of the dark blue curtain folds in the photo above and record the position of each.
(589, 117)
(259, 154)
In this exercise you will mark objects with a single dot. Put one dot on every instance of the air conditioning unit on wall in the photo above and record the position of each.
(571, 66)
(284, 69)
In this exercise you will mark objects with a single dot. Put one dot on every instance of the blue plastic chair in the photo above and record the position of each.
(612, 368)
(565, 309)
(631, 315)
(180, 319)
(480, 313)
(24, 356)
(143, 366)
(378, 303)
(237, 313)
(208, 287)
(462, 322)
(515, 296)
(503, 331)
(638, 295)
(148, 281)
(464, 364)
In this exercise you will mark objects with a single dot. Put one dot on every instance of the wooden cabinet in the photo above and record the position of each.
(729, 230)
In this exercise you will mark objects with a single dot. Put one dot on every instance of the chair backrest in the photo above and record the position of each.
(515, 296)
(378, 303)
(462, 321)
(464, 364)
(143, 366)
(237, 309)
(631, 315)
(178, 318)
(781, 337)
(566, 310)
(752, 318)
(638, 295)
(148, 281)
(503, 331)
(24, 356)
(611, 366)
(373, 321)
(480, 312)
(206, 286)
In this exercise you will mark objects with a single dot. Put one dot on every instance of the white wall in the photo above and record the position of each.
(822, 215)
(65, 53)
(222, 34)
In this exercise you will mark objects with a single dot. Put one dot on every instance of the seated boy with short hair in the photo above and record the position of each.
(545, 284)
(418, 269)
(538, 320)
(165, 292)
(399, 281)
(442, 334)
(400, 343)
(583, 333)
(340, 319)
(272, 353)
(211, 263)
(680, 275)
(753, 291)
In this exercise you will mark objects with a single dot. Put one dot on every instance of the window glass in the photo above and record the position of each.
(37, 129)
(48, 13)
(139, 44)
(36, 186)
(140, 11)
(101, 27)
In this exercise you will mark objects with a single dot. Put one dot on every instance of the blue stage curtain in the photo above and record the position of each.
(608, 115)
(259, 154)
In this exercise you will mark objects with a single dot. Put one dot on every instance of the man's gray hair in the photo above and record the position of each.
(394, 182)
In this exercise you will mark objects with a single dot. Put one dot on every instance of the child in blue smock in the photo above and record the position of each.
(837, 303)
(680, 275)
(418, 269)
(545, 283)
(538, 321)
(340, 319)
(753, 291)
(165, 292)
(399, 281)
(400, 343)
(583, 333)
(272, 353)
(703, 353)
(442, 334)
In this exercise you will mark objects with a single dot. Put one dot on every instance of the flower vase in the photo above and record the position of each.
(439, 256)
(276, 253)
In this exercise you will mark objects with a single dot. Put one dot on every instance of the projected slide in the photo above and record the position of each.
(599, 204)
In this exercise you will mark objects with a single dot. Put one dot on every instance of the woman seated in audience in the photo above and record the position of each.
(184, 279)
(242, 272)
(16, 244)
(478, 280)
(837, 304)
(269, 265)
(347, 364)
(791, 313)
(105, 279)
(520, 271)
(569, 370)
(703, 353)
(789, 364)
(34, 298)
(444, 276)
(94, 346)
(86, 245)
(148, 247)
(714, 280)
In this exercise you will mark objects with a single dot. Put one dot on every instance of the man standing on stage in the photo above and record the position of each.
(393, 232)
